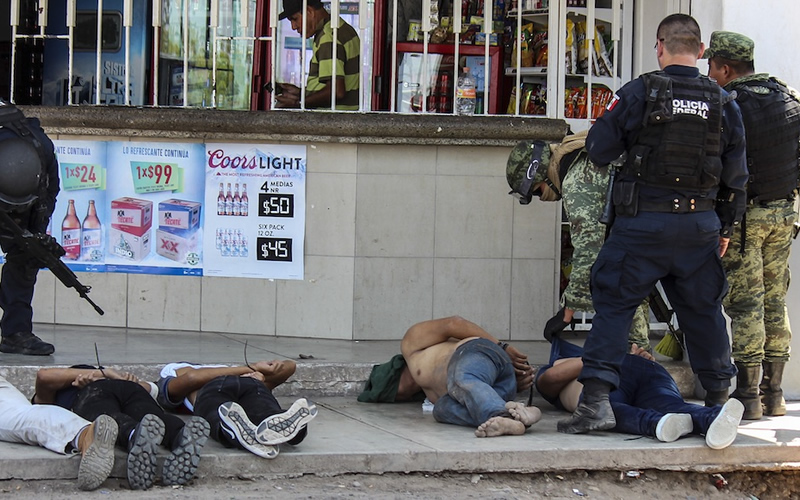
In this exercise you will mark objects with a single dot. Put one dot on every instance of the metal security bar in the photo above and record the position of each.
(522, 63)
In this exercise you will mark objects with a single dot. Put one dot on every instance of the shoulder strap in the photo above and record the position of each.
(658, 88)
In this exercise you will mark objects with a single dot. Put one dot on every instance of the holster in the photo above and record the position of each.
(626, 198)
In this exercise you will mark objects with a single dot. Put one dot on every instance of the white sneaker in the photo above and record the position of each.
(672, 426)
(282, 427)
(238, 426)
(723, 430)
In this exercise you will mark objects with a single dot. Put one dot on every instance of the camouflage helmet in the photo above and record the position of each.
(527, 166)
(730, 45)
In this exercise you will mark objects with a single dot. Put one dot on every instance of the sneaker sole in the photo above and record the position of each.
(143, 456)
(285, 426)
(235, 418)
(97, 462)
(723, 430)
(673, 426)
(181, 465)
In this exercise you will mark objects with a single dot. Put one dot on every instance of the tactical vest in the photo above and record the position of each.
(772, 127)
(680, 142)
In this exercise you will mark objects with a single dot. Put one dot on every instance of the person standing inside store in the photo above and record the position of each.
(678, 197)
(28, 188)
(319, 86)
(757, 261)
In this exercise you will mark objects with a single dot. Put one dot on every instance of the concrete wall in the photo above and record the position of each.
(395, 234)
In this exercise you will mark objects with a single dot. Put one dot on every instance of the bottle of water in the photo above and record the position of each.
(465, 93)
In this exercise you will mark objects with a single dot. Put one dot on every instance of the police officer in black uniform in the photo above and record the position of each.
(28, 188)
(678, 197)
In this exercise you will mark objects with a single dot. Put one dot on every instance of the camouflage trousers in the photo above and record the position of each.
(584, 195)
(759, 281)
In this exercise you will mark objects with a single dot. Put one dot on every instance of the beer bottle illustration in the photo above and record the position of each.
(91, 235)
(237, 202)
(245, 204)
(229, 201)
(71, 233)
(221, 201)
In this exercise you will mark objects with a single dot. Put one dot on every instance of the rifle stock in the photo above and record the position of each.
(32, 245)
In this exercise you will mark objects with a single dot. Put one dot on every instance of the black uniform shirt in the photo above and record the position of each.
(614, 132)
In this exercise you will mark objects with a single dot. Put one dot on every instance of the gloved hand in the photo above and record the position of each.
(50, 244)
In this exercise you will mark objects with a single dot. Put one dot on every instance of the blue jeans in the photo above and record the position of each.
(646, 393)
(480, 379)
(681, 250)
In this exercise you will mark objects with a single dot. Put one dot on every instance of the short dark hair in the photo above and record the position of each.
(738, 67)
(680, 34)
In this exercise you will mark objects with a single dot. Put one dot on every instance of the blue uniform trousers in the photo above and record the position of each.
(646, 393)
(681, 250)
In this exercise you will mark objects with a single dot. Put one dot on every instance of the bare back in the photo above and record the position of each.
(428, 367)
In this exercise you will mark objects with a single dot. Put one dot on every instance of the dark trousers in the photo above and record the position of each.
(251, 394)
(17, 279)
(127, 403)
(646, 393)
(681, 250)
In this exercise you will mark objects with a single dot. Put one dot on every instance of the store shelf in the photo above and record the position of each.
(596, 80)
(605, 15)
(538, 15)
(531, 71)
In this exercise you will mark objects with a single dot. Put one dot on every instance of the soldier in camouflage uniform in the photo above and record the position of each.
(583, 190)
(757, 262)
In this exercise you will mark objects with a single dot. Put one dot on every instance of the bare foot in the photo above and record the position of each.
(500, 426)
(528, 415)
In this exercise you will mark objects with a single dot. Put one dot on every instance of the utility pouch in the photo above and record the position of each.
(636, 162)
(626, 198)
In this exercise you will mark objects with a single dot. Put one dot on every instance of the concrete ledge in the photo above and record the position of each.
(311, 380)
(295, 126)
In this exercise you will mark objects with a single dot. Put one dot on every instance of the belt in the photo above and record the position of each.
(677, 205)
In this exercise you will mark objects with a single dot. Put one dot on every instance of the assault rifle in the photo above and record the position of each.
(46, 250)
(664, 315)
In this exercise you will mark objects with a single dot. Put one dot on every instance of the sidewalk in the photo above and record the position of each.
(348, 436)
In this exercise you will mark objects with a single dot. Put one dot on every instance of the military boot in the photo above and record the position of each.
(747, 391)
(771, 392)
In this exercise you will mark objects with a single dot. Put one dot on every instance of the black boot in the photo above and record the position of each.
(747, 391)
(716, 398)
(594, 413)
(771, 392)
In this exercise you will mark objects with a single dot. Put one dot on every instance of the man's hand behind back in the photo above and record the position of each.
(522, 369)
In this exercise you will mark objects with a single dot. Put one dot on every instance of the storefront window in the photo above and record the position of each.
(558, 59)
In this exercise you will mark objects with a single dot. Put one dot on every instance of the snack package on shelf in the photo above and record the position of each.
(571, 63)
(524, 43)
(602, 61)
(601, 96)
(534, 100)
(540, 48)
(575, 102)
(583, 48)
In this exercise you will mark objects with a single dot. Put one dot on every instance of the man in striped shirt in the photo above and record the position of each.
(319, 87)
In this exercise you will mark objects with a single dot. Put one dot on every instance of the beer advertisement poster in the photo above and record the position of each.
(255, 218)
(154, 208)
(79, 219)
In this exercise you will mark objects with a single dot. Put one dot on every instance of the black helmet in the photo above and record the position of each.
(20, 171)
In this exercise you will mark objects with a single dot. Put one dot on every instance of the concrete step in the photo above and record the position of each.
(311, 380)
